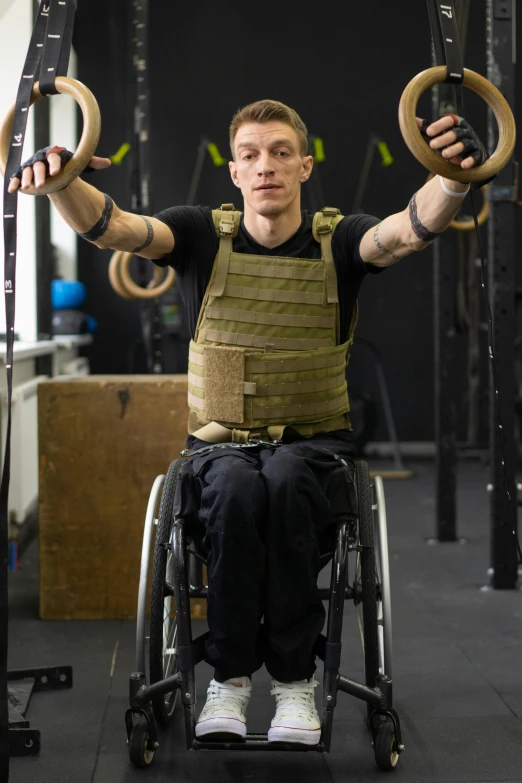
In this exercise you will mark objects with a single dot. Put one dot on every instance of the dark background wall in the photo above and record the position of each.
(343, 68)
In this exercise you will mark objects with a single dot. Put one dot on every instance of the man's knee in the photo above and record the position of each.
(233, 497)
(288, 470)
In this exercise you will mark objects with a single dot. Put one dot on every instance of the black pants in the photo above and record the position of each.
(265, 518)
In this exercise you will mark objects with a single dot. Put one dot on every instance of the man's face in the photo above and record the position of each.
(268, 166)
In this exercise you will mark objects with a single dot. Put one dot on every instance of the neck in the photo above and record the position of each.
(273, 230)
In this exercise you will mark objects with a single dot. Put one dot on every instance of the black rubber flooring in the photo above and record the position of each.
(457, 673)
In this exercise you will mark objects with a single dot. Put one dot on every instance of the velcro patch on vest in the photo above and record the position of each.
(224, 383)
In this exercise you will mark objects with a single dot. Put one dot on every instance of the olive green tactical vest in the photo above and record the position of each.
(266, 350)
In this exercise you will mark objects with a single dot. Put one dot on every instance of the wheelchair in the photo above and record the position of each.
(172, 654)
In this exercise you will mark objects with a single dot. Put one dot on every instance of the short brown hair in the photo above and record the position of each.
(269, 111)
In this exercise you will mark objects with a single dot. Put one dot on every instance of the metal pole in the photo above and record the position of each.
(445, 418)
(357, 206)
(196, 175)
(150, 311)
(444, 101)
(501, 58)
(445, 407)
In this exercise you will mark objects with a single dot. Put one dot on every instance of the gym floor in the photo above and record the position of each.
(457, 663)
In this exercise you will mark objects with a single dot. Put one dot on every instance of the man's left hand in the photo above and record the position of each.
(455, 140)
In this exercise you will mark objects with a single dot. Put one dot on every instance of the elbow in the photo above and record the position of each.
(101, 243)
(416, 245)
(411, 240)
(109, 240)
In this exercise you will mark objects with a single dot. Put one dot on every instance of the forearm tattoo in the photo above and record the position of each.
(150, 236)
(102, 225)
(418, 229)
(381, 247)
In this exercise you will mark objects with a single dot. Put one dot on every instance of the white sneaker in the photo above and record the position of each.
(225, 709)
(296, 718)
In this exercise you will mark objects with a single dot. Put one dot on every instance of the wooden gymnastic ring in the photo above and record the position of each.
(88, 142)
(125, 286)
(144, 293)
(483, 215)
(117, 283)
(114, 276)
(428, 157)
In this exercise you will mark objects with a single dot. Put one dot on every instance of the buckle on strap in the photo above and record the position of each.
(324, 227)
(226, 225)
(225, 229)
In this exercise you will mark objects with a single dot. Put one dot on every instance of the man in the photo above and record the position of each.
(271, 303)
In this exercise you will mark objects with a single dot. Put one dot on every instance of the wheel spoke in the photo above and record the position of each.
(164, 638)
(358, 593)
(170, 655)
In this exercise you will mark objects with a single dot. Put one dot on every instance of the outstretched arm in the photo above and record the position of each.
(96, 217)
(430, 210)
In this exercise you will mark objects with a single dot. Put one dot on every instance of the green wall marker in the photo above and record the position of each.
(319, 155)
(215, 154)
(385, 153)
(120, 154)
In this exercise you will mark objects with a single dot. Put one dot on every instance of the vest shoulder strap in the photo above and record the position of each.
(226, 220)
(323, 226)
(325, 222)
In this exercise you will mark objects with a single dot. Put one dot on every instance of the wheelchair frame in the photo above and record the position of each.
(383, 720)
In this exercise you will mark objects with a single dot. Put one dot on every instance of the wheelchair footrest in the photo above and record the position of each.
(256, 742)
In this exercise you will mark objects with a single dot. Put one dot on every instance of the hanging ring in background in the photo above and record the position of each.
(428, 157)
(114, 276)
(469, 225)
(125, 286)
(88, 142)
(483, 215)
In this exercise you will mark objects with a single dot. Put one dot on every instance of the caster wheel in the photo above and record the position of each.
(139, 752)
(385, 747)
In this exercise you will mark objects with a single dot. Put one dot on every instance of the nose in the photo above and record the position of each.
(265, 165)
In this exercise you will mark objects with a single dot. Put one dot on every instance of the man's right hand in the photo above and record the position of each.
(47, 162)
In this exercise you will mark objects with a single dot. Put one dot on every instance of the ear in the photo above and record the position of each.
(308, 164)
(233, 173)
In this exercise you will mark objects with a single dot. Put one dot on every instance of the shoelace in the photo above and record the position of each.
(293, 698)
(225, 697)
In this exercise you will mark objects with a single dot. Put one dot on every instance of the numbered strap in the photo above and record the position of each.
(446, 42)
(48, 54)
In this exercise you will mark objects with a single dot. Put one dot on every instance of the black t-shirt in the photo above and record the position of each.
(196, 245)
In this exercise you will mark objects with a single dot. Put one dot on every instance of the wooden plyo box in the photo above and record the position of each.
(103, 439)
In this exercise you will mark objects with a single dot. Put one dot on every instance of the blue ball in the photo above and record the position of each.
(92, 324)
(67, 294)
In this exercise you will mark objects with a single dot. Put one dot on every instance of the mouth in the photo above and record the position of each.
(265, 188)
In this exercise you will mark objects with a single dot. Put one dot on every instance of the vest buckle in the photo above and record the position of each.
(323, 227)
(225, 229)
(330, 211)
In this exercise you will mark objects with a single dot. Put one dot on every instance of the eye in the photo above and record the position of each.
(283, 153)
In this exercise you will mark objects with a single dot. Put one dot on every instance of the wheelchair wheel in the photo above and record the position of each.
(366, 592)
(385, 746)
(163, 624)
(140, 753)
(143, 590)
(384, 616)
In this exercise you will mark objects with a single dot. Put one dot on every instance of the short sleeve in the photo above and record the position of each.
(192, 229)
(347, 239)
